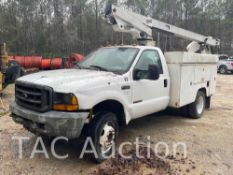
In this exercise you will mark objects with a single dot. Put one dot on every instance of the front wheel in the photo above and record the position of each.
(223, 70)
(104, 131)
(197, 108)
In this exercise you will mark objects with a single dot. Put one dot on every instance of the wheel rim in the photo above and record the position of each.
(222, 70)
(200, 105)
(107, 138)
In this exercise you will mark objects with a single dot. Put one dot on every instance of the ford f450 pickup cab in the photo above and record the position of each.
(111, 87)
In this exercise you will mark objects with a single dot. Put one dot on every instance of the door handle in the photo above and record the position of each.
(125, 87)
(165, 83)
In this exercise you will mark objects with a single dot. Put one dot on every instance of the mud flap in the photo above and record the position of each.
(208, 102)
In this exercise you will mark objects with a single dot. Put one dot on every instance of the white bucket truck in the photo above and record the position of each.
(115, 85)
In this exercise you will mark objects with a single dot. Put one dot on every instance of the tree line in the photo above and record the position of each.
(60, 27)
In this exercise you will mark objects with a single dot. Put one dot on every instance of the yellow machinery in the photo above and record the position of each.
(9, 70)
(3, 64)
(4, 58)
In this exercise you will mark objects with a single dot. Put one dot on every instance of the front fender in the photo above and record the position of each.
(87, 101)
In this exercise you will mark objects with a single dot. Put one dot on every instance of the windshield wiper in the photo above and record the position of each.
(81, 67)
(99, 68)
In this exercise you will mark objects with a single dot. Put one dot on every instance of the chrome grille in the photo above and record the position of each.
(34, 97)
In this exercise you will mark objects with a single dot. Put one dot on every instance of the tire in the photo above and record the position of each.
(184, 111)
(197, 109)
(104, 125)
(223, 70)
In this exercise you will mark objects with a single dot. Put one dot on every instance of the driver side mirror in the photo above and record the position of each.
(136, 74)
(153, 72)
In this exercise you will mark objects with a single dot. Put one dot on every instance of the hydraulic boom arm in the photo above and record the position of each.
(141, 26)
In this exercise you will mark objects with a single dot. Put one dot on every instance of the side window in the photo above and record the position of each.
(148, 57)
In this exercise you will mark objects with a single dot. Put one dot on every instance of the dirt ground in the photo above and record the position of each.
(209, 143)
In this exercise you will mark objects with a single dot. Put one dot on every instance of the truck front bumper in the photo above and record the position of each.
(52, 123)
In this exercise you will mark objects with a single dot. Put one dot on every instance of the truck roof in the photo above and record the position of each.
(133, 46)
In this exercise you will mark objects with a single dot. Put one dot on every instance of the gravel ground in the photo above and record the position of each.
(209, 143)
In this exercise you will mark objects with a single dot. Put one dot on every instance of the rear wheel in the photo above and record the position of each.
(223, 70)
(104, 131)
(197, 108)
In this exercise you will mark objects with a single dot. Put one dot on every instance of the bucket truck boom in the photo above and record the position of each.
(141, 27)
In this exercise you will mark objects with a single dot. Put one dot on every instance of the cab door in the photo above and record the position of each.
(149, 96)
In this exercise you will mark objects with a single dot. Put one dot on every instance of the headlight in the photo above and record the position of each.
(65, 102)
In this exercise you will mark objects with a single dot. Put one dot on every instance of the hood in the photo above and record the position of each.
(69, 80)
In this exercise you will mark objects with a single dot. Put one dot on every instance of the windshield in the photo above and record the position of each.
(117, 60)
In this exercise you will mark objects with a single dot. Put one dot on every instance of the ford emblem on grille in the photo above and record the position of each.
(25, 95)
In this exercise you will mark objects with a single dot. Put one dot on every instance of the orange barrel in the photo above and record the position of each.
(56, 63)
(37, 61)
(46, 64)
(28, 62)
(73, 59)
(77, 57)
(20, 60)
(68, 64)
(32, 62)
(10, 58)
